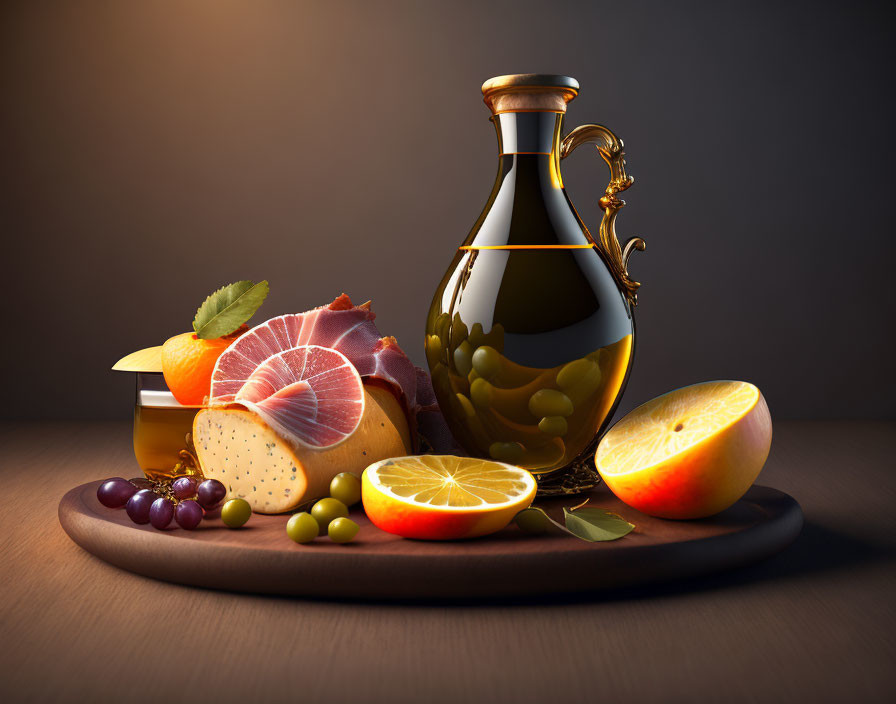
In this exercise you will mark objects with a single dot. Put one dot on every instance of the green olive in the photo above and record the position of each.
(473, 376)
(342, 530)
(465, 405)
(550, 402)
(555, 426)
(441, 377)
(302, 527)
(346, 487)
(487, 362)
(506, 451)
(481, 393)
(441, 325)
(433, 350)
(235, 513)
(327, 510)
(458, 331)
(532, 521)
(462, 358)
(600, 357)
(579, 379)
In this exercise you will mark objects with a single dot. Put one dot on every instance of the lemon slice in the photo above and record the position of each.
(146, 360)
(689, 453)
(442, 497)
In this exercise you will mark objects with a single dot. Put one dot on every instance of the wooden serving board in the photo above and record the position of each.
(260, 557)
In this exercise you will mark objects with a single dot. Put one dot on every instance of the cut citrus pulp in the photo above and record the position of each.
(689, 453)
(442, 497)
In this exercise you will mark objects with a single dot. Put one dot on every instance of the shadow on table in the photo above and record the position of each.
(818, 549)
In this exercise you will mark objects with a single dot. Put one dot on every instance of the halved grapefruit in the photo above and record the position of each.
(689, 453)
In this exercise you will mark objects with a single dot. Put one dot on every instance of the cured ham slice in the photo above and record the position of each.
(341, 326)
(260, 372)
(310, 394)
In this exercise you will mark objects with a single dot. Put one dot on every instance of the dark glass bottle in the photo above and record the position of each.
(530, 335)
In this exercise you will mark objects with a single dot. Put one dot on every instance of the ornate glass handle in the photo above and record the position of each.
(610, 148)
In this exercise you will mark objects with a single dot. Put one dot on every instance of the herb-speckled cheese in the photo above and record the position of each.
(237, 448)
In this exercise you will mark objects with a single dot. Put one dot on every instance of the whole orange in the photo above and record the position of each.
(188, 363)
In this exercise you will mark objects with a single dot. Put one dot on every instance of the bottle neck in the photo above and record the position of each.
(528, 207)
(533, 138)
(529, 133)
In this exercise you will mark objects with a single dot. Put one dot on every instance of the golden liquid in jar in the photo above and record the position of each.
(161, 438)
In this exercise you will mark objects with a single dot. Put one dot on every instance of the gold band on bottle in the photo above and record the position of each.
(472, 247)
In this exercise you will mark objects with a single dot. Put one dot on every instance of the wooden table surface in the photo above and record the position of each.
(816, 623)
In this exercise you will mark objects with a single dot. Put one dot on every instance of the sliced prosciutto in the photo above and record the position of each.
(311, 394)
(341, 326)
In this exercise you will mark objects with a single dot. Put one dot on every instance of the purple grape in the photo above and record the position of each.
(114, 493)
(161, 512)
(184, 487)
(139, 504)
(210, 493)
(141, 482)
(188, 514)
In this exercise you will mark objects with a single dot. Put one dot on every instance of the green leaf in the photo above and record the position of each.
(228, 308)
(596, 524)
(535, 521)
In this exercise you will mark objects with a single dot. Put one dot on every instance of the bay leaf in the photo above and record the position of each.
(536, 521)
(596, 524)
(228, 308)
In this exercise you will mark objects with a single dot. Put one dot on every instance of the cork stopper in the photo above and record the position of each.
(529, 92)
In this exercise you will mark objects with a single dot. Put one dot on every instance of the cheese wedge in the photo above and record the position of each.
(238, 449)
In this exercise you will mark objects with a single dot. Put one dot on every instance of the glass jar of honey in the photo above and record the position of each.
(162, 430)
(162, 427)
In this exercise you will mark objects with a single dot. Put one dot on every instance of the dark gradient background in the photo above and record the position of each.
(152, 151)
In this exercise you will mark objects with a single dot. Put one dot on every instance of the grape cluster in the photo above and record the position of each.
(184, 500)
(329, 515)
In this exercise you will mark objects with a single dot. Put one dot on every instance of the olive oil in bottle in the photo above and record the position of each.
(530, 335)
